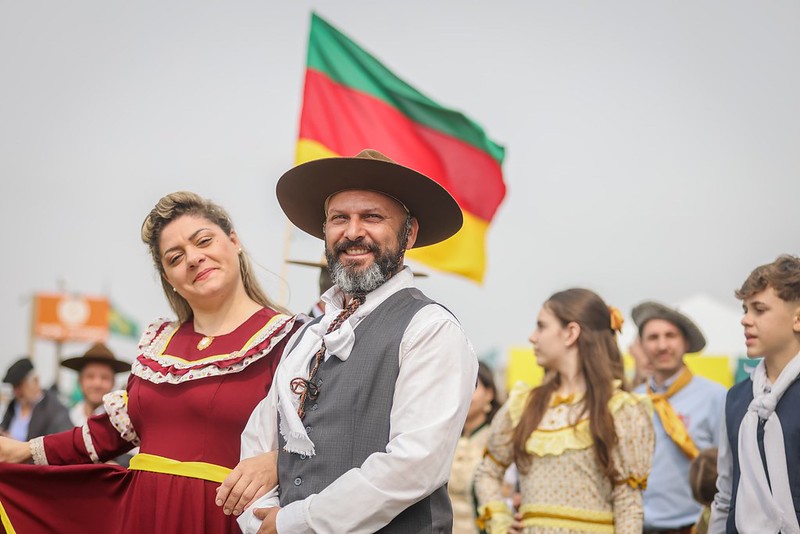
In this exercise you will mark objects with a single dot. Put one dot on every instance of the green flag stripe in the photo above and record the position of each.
(334, 54)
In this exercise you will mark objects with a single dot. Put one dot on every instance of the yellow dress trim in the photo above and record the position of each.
(543, 442)
(5, 521)
(217, 357)
(168, 466)
(567, 518)
(494, 516)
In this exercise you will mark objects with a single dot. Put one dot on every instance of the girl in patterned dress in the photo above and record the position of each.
(582, 445)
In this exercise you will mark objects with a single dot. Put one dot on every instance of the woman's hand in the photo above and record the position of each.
(248, 481)
(13, 451)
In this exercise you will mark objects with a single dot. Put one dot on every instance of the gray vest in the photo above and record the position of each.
(349, 421)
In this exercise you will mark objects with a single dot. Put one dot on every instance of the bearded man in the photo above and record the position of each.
(369, 401)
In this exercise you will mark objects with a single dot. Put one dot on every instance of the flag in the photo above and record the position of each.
(121, 325)
(352, 102)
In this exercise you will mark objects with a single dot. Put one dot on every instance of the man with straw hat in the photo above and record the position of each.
(688, 414)
(369, 401)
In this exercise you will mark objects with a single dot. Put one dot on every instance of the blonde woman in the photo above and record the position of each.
(193, 385)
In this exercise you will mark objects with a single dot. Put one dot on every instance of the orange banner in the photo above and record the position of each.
(64, 317)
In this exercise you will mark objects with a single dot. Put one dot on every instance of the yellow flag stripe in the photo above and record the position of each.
(462, 254)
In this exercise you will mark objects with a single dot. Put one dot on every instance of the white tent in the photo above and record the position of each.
(719, 322)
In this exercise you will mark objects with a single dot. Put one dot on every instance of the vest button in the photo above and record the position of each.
(303, 456)
(319, 381)
(314, 407)
(298, 481)
(308, 429)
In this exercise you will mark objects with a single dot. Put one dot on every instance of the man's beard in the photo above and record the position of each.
(354, 281)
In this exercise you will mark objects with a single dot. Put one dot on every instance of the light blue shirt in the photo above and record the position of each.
(18, 428)
(668, 501)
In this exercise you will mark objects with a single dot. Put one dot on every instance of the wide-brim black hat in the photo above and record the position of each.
(648, 310)
(303, 190)
(98, 353)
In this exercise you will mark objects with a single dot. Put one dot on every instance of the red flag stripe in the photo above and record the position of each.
(347, 121)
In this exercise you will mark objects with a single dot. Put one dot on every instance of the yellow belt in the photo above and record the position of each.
(168, 466)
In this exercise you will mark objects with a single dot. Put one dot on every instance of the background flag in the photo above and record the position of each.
(120, 325)
(351, 102)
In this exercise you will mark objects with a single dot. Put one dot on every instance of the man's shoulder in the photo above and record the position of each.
(741, 387)
(52, 402)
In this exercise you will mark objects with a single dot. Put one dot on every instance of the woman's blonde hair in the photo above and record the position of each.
(175, 205)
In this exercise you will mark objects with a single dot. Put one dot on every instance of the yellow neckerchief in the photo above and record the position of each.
(673, 425)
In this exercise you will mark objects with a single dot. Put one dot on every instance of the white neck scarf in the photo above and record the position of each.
(338, 343)
(759, 510)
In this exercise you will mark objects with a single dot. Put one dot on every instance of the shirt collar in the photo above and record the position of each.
(667, 383)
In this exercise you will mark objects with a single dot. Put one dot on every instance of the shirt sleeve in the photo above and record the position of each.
(494, 513)
(261, 431)
(438, 369)
(248, 522)
(722, 500)
(103, 437)
(633, 457)
(96, 441)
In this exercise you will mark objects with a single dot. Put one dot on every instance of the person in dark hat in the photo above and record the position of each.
(96, 369)
(373, 395)
(687, 418)
(34, 412)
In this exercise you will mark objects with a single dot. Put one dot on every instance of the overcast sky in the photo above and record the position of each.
(652, 147)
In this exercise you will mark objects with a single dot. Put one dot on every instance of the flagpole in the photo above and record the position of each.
(32, 331)
(287, 246)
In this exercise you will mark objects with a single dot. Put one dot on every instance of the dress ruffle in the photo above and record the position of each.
(575, 436)
(154, 366)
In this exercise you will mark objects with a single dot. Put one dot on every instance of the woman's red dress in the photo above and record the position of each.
(190, 408)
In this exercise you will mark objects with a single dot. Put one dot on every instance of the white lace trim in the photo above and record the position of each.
(37, 451)
(116, 405)
(277, 328)
(87, 442)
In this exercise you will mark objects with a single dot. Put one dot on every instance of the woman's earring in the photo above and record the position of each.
(174, 290)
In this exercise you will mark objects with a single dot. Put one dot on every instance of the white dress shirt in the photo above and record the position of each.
(438, 369)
